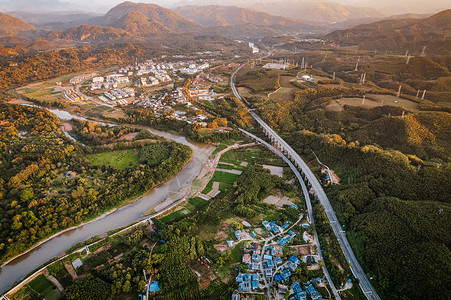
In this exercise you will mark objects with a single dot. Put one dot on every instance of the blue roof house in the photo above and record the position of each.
(295, 260)
(254, 284)
(153, 287)
(256, 276)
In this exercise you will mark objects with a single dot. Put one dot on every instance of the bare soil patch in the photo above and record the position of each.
(128, 137)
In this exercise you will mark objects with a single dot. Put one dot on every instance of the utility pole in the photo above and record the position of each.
(408, 60)
(418, 94)
(424, 94)
(363, 100)
(333, 77)
(356, 66)
(303, 63)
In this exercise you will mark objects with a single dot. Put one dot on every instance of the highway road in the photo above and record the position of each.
(308, 203)
(356, 269)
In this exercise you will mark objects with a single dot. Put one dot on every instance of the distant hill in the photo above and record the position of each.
(400, 35)
(10, 26)
(216, 15)
(92, 33)
(54, 20)
(317, 11)
(146, 18)
(359, 21)
(137, 23)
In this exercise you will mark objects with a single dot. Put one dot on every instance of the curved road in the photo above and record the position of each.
(307, 201)
(356, 269)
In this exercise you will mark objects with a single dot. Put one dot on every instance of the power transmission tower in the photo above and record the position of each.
(423, 53)
(399, 91)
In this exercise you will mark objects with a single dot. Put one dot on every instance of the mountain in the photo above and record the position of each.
(137, 23)
(216, 15)
(150, 18)
(89, 33)
(359, 21)
(12, 26)
(60, 20)
(400, 35)
(325, 12)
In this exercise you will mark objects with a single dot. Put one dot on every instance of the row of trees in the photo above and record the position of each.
(92, 133)
(397, 213)
(55, 63)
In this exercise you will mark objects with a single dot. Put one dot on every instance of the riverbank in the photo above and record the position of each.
(125, 213)
(126, 202)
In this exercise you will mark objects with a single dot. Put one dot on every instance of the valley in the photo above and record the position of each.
(225, 152)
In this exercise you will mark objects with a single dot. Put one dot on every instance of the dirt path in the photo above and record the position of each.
(56, 282)
(67, 126)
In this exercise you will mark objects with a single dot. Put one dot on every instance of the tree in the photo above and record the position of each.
(88, 288)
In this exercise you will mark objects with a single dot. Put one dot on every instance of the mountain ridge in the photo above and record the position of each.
(399, 34)
(12, 26)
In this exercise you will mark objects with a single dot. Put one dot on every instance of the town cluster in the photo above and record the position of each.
(265, 266)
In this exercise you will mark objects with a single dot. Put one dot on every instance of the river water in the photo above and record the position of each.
(21, 266)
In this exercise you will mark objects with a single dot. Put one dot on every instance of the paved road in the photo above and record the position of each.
(356, 269)
(307, 201)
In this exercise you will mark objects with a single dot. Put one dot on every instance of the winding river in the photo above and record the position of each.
(21, 266)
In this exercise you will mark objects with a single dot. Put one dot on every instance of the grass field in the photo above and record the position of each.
(222, 177)
(237, 156)
(197, 202)
(283, 94)
(45, 288)
(119, 159)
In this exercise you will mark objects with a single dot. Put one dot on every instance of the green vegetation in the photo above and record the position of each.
(89, 288)
(178, 244)
(55, 63)
(386, 201)
(47, 184)
(197, 202)
(40, 287)
(393, 159)
(119, 159)
(258, 80)
(92, 133)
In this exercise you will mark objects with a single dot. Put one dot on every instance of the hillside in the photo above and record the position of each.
(216, 15)
(317, 11)
(12, 26)
(400, 35)
(148, 17)
(91, 33)
(137, 23)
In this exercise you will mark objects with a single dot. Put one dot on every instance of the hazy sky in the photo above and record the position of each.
(101, 6)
